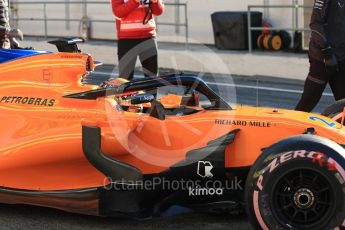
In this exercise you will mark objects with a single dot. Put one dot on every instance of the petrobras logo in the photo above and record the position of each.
(199, 191)
(204, 169)
(28, 101)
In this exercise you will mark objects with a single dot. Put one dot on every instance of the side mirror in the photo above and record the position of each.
(142, 98)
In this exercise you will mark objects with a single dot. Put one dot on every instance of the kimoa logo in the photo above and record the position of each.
(341, 3)
(204, 169)
(205, 191)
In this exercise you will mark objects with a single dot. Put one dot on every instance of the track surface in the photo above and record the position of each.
(270, 92)
(26, 217)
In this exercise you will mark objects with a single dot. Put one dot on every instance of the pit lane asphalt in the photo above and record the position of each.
(277, 93)
(27, 217)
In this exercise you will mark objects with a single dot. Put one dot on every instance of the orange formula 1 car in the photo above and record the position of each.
(138, 148)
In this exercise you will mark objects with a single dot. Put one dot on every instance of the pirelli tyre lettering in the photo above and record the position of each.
(297, 189)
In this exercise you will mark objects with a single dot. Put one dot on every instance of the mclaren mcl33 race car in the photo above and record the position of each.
(137, 148)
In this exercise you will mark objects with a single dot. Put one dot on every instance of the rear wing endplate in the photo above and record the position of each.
(68, 45)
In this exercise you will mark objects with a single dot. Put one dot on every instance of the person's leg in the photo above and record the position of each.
(127, 56)
(4, 42)
(149, 57)
(337, 83)
(315, 84)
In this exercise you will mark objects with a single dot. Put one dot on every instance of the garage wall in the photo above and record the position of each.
(199, 11)
(306, 17)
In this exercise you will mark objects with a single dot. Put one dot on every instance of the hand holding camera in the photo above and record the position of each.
(146, 2)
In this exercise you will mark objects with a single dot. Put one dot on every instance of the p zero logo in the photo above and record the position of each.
(204, 169)
(27, 101)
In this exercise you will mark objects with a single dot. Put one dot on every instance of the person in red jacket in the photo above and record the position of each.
(136, 32)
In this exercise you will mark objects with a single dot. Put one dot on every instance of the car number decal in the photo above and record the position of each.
(318, 119)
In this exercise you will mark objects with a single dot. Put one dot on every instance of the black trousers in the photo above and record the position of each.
(4, 41)
(130, 49)
(5, 44)
(316, 83)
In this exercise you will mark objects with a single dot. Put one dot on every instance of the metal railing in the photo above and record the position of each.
(294, 27)
(85, 4)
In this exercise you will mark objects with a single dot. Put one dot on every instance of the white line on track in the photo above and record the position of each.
(273, 89)
(106, 73)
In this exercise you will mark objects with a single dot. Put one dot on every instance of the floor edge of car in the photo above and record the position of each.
(82, 201)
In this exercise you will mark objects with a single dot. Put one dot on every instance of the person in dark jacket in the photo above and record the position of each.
(326, 53)
(7, 35)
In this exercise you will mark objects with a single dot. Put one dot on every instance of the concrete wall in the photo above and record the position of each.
(199, 11)
(307, 16)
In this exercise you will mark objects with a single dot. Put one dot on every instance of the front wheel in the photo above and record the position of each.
(296, 189)
(335, 111)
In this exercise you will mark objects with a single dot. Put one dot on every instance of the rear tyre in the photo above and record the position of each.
(298, 183)
(335, 111)
(260, 41)
(265, 41)
(286, 39)
(275, 43)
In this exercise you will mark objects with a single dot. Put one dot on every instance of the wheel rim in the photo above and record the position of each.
(303, 199)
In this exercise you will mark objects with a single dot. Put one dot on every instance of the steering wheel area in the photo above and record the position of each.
(168, 105)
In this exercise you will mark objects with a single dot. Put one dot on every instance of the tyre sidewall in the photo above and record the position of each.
(261, 177)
